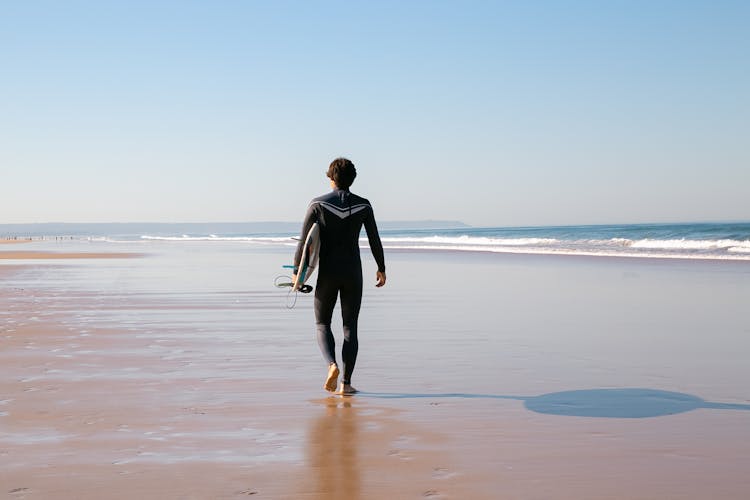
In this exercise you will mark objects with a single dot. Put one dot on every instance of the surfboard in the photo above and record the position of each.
(309, 261)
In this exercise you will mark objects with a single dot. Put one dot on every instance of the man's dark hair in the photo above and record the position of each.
(342, 172)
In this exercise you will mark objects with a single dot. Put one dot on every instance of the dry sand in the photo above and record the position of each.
(122, 412)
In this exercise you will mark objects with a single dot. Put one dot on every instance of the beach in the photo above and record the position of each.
(163, 370)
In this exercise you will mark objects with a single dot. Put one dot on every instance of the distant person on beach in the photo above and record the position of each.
(340, 215)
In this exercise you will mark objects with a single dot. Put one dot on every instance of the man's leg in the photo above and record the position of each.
(351, 300)
(325, 300)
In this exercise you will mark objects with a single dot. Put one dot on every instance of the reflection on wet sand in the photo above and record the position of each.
(333, 451)
(357, 450)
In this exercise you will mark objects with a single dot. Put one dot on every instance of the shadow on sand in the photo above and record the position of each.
(604, 403)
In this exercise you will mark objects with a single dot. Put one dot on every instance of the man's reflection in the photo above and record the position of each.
(333, 452)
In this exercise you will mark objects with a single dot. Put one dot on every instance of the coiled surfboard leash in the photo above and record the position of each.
(291, 299)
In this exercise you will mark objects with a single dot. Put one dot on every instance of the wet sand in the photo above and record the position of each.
(182, 375)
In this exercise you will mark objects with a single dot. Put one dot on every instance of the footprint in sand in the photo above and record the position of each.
(399, 454)
(442, 473)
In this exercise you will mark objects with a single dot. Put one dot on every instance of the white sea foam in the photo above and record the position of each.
(107, 239)
(570, 251)
(685, 248)
(684, 244)
(213, 237)
(470, 240)
(614, 247)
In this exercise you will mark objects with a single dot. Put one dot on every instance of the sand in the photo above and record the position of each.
(59, 255)
(182, 375)
(54, 254)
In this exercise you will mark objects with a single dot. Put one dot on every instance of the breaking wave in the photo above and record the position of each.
(613, 247)
(728, 241)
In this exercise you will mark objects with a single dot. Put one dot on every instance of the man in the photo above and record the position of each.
(340, 215)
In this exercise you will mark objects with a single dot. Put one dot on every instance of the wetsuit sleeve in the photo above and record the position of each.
(374, 238)
(310, 219)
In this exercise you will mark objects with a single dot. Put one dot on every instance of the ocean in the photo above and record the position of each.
(728, 241)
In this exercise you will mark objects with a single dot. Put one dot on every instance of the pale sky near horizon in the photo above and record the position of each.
(488, 112)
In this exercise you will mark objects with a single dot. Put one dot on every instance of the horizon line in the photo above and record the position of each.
(457, 222)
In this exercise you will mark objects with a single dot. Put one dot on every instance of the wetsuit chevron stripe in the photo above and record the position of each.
(340, 215)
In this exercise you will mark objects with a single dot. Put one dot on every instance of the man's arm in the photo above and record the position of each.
(376, 247)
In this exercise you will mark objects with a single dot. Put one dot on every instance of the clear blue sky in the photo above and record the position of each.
(489, 112)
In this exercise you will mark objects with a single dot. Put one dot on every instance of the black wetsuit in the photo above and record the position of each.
(340, 216)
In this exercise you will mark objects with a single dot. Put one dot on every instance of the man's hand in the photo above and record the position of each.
(380, 277)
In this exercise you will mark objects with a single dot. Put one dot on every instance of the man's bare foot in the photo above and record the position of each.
(346, 390)
(332, 379)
